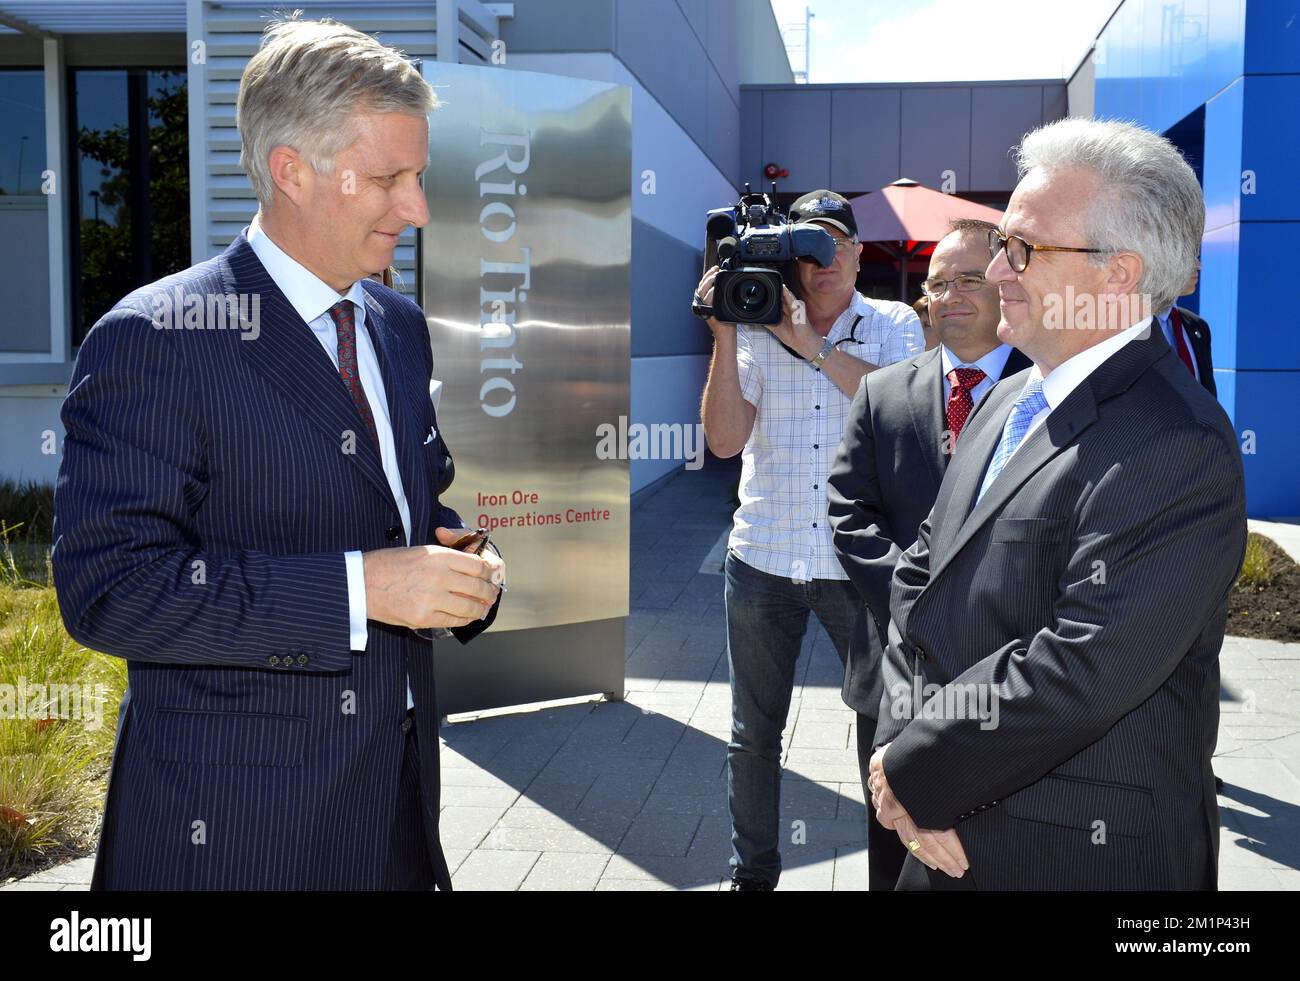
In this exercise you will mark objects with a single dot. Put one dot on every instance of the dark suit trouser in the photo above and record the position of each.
(885, 853)
(409, 866)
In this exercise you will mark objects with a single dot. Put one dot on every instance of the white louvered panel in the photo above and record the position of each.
(231, 31)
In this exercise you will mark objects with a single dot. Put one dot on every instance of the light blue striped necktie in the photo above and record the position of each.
(1030, 403)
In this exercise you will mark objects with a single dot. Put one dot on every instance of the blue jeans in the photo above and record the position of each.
(767, 617)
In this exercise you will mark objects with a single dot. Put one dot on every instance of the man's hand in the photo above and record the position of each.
(888, 809)
(937, 849)
(446, 536)
(704, 293)
(430, 585)
(794, 330)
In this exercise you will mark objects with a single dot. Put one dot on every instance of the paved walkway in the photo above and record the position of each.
(632, 795)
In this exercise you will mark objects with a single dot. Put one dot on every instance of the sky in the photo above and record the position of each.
(941, 40)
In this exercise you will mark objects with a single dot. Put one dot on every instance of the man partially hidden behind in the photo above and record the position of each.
(248, 513)
(1051, 696)
(1189, 336)
(902, 428)
(786, 411)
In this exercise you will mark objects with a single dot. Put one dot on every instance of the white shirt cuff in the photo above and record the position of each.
(356, 600)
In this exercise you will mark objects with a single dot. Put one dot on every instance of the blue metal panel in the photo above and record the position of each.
(1218, 289)
(1222, 161)
(1161, 60)
(1267, 338)
(1272, 36)
(1271, 146)
(1272, 473)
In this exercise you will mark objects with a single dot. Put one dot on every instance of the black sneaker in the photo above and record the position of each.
(740, 883)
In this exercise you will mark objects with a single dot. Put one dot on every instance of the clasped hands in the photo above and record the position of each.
(940, 850)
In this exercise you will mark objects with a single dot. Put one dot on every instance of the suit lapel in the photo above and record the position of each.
(403, 412)
(1062, 428)
(290, 357)
(1016, 363)
(925, 400)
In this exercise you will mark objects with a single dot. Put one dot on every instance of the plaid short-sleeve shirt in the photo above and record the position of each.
(781, 527)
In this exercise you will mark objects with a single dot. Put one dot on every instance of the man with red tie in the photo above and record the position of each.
(1189, 336)
(902, 428)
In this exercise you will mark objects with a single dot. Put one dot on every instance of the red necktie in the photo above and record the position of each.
(1176, 322)
(961, 380)
(346, 325)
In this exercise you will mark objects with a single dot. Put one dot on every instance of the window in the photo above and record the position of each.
(129, 146)
(22, 120)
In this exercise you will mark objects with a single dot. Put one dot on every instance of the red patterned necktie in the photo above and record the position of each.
(961, 380)
(1176, 322)
(346, 325)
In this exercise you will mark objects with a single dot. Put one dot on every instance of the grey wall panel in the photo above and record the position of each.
(865, 139)
(797, 135)
(936, 135)
(664, 271)
(751, 137)
(1056, 103)
(560, 25)
(697, 14)
(655, 41)
(722, 42)
(1000, 117)
(723, 129)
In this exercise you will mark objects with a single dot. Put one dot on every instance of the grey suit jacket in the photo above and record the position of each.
(1087, 590)
(890, 463)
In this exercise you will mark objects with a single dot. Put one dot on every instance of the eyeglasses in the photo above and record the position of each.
(936, 288)
(1019, 251)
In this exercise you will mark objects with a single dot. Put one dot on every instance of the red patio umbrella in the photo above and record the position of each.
(905, 219)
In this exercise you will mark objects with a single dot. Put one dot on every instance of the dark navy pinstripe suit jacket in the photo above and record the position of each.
(203, 506)
(1089, 587)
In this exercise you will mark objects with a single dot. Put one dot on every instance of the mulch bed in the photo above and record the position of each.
(1269, 612)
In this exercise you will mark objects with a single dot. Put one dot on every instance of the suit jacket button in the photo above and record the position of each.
(406, 725)
(273, 660)
(302, 658)
(393, 535)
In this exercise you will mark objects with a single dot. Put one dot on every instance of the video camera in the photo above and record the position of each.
(754, 245)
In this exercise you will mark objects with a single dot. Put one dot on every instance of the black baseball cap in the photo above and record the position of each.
(826, 206)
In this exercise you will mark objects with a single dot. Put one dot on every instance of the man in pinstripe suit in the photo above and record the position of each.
(1052, 680)
(247, 511)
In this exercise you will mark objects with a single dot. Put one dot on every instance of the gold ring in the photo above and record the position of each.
(914, 845)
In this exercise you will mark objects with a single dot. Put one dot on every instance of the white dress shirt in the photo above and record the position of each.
(312, 298)
(1071, 373)
(781, 526)
(992, 364)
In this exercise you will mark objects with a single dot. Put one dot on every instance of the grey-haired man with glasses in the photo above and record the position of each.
(1054, 632)
(903, 426)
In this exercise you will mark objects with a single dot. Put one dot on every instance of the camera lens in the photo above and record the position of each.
(750, 295)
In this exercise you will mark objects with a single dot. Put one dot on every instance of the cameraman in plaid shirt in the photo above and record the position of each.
(787, 415)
